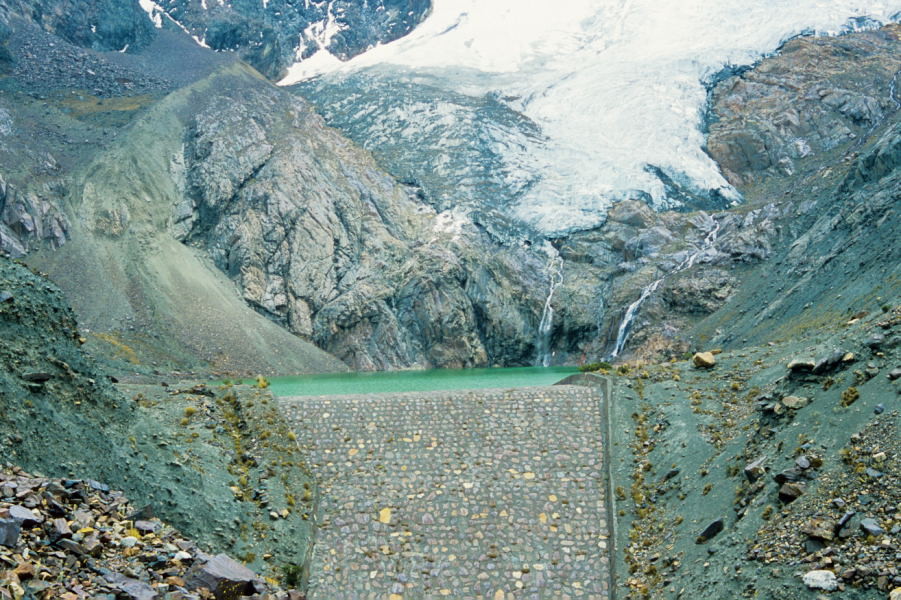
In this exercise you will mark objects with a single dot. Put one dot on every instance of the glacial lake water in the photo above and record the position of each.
(416, 381)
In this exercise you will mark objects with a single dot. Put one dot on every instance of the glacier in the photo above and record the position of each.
(568, 107)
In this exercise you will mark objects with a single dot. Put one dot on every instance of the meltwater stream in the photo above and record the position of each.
(554, 271)
(622, 334)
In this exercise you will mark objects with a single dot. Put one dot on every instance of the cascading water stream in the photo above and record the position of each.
(893, 90)
(622, 334)
(554, 272)
(624, 326)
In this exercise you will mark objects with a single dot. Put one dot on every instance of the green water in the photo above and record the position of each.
(416, 381)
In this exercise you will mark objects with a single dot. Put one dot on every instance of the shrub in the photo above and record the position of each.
(595, 366)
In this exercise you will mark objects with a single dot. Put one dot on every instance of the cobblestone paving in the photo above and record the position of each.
(485, 494)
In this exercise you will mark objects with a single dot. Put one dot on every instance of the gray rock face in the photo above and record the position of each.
(882, 160)
(800, 113)
(313, 234)
(27, 219)
(99, 25)
(320, 240)
(271, 35)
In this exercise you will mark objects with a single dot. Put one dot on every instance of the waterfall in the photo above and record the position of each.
(892, 91)
(554, 270)
(622, 334)
(626, 323)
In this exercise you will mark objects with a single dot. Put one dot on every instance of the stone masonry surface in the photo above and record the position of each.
(485, 494)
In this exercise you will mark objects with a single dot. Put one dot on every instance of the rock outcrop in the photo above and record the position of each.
(322, 241)
(27, 218)
(792, 112)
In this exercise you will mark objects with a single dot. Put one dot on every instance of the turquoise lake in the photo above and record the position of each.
(416, 381)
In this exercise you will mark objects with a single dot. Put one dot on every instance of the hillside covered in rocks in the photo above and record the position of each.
(215, 462)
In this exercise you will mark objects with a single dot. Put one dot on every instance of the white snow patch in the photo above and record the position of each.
(322, 61)
(615, 85)
(452, 223)
(156, 14)
(154, 11)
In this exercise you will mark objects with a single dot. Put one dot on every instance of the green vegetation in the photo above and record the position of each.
(596, 366)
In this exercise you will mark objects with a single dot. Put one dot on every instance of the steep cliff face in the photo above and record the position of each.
(834, 241)
(106, 25)
(90, 155)
(173, 191)
(274, 34)
(322, 241)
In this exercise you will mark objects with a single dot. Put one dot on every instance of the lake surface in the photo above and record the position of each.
(416, 381)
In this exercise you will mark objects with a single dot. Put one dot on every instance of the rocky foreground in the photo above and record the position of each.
(68, 539)
(769, 472)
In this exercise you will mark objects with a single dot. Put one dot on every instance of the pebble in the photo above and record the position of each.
(871, 527)
(711, 531)
(469, 494)
(100, 560)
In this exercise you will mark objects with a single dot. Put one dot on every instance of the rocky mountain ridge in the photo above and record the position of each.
(282, 216)
(269, 35)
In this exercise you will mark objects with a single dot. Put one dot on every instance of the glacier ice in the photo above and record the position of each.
(596, 100)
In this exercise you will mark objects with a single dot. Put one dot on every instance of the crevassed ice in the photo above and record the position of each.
(615, 86)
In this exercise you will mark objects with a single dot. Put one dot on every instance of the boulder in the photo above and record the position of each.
(789, 492)
(24, 515)
(795, 402)
(830, 362)
(711, 531)
(755, 470)
(704, 360)
(132, 589)
(801, 365)
(225, 577)
(9, 532)
(821, 529)
(821, 580)
(871, 527)
(789, 475)
(37, 376)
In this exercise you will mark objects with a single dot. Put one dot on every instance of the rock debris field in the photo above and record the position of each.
(496, 494)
